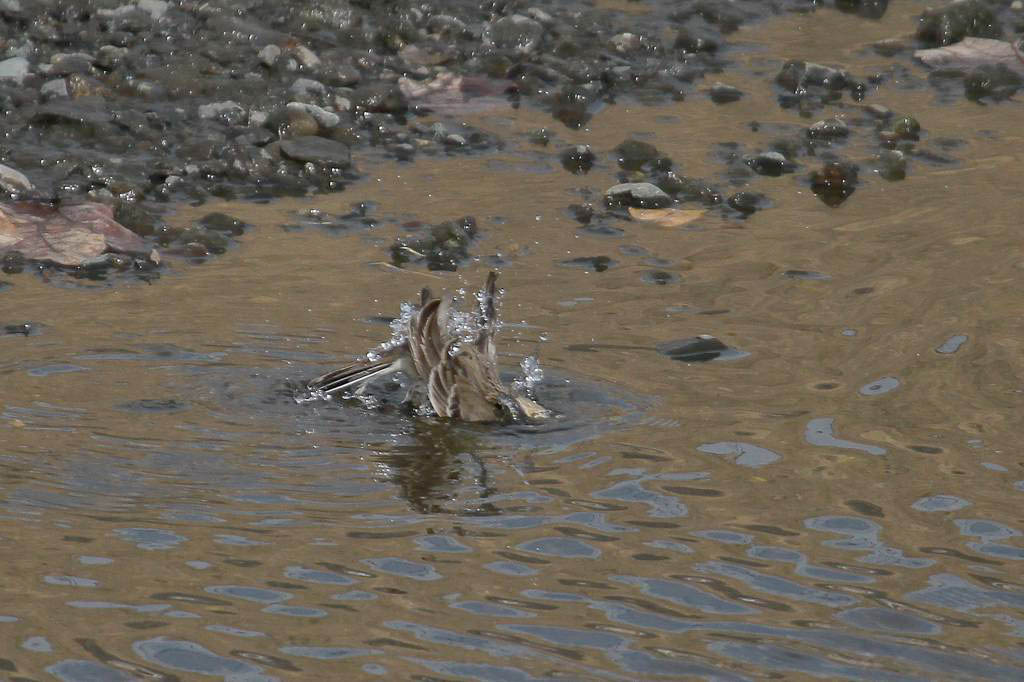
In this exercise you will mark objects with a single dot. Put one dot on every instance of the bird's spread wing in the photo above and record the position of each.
(353, 376)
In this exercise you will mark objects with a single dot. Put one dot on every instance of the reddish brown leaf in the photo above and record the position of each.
(67, 235)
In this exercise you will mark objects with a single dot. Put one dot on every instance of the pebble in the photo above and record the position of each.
(723, 94)
(308, 87)
(57, 87)
(638, 195)
(318, 150)
(15, 69)
(326, 119)
(12, 179)
(269, 55)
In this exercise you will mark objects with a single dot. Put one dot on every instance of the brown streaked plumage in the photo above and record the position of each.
(460, 378)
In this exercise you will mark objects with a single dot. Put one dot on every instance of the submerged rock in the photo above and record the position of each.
(835, 182)
(318, 150)
(637, 195)
(701, 348)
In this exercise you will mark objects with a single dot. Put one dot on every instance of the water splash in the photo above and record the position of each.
(532, 375)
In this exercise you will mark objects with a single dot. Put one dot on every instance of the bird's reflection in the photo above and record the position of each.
(444, 462)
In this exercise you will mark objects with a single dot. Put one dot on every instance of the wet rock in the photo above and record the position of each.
(721, 93)
(592, 263)
(12, 180)
(307, 87)
(87, 114)
(659, 277)
(956, 21)
(228, 113)
(57, 87)
(387, 99)
(906, 128)
(828, 129)
(796, 76)
(891, 164)
(635, 154)
(439, 247)
(991, 82)
(222, 222)
(772, 164)
(571, 106)
(835, 182)
(701, 348)
(694, 42)
(135, 218)
(747, 203)
(325, 119)
(319, 150)
(578, 159)
(22, 329)
(14, 70)
(13, 262)
(869, 9)
(269, 55)
(637, 195)
(581, 213)
(516, 32)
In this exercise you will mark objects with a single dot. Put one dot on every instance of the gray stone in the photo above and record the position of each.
(639, 195)
(306, 56)
(229, 112)
(318, 150)
(326, 119)
(307, 87)
(269, 54)
(515, 32)
(14, 69)
(57, 87)
(11, 179)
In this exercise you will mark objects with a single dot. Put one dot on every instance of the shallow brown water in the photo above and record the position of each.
(843, 502)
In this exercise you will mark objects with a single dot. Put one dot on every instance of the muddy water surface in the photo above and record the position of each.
(842, 501)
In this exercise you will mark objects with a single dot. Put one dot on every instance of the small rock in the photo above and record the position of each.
(12, 180)
(318, 150)
(747, 203)
(638, 195)
(701, 348)
(326, 119)
(578, 159)
(592, 263)
(721, 93)
(57, 87)
(230, 113)
(772, 164)
(633, 154)
(892, 164)
(269, 55)
(795, 76)
(307, 87)
(828, 129)
(907, 128)
(305, 56)
(14, 69)
(835, 182)
(515, 32)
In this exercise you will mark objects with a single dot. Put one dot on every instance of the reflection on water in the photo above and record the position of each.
(836, 497)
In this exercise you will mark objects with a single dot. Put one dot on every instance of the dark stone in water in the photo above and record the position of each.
(906, 128)
(772, 164)
(806, 274)
(570, 106)
(637, 195)
(222, 222)
(693, 42)
(593, 263)
(869, 9)
(835, 182)
(441, 247)
(828, 129)
(13, 262)
(892, 164)
(318, 150)
(633, 154)
(24, 329)
(721, 93)
(582, 213)
(796, 76)
(701, 348)
(991, 82)
(578, 159)
(659, 277)
(956, 21)
(747, 203)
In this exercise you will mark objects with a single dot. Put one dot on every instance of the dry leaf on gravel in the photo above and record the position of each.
(666, 217)
(66, 235)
